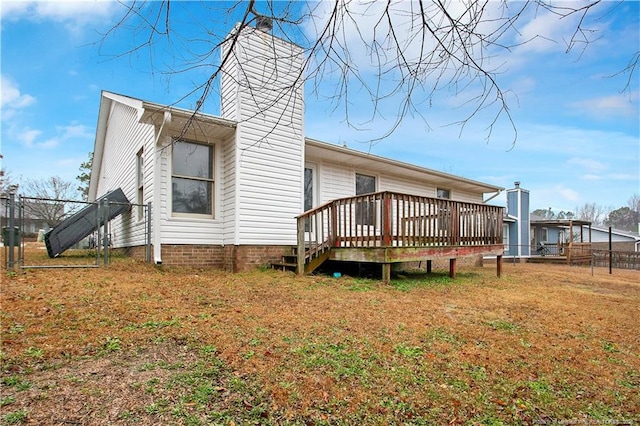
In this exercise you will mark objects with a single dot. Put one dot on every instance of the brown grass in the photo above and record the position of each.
(134, 343)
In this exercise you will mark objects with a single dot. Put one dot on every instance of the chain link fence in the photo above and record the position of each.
(27, 223)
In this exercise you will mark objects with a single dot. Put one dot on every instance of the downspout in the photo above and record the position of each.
(157, 178)
(493, 196)
(519, 208)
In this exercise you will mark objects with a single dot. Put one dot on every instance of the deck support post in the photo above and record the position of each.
(386, 220)
(386, 273)
(300, 251)
(499, 266)
(452, 268)
(429, 265)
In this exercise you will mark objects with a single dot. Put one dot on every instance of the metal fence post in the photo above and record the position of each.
(105, 236)
(20, 226)
(96, 239)
(148, 252)
(11, 224)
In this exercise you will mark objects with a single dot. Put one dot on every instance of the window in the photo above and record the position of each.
(140, 184)
(365, 211)
(192, 178)
(544, 235)
(443, 193)
(308, 188)
(505, 237)
(308, 192)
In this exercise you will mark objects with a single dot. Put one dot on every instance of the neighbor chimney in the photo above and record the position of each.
(264, 23)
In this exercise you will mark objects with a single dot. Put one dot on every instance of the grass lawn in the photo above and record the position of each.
(137, 344)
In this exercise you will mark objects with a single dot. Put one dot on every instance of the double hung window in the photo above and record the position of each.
(192, 179)
(365, 210)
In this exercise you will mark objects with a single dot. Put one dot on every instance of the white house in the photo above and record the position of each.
(225, 191)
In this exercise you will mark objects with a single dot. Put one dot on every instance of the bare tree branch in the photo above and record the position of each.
(390, 53)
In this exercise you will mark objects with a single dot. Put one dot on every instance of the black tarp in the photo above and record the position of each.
(74, 228)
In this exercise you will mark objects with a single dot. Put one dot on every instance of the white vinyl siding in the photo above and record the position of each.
(228, 190)
(335, 182)
(338, 181)
(269, 159)
(124, 139)
(192, 229)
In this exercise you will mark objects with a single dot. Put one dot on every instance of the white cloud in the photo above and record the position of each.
(625, 176)
(49, 143)
(11, 98)
(568, 194)
(592, 177)
(612, 176)
(558, 197)
(556, 28)
(605, 106)
(73, 14)
(546, 32)
(74, 131)
(28, 136)
(589, 164)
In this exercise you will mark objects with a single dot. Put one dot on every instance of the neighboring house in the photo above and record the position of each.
(527, 236)
(226, 191)
(516, 232)
(35, 215)
(620, 240)
(554, 234)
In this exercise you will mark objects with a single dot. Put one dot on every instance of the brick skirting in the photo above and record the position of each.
(245, 258)
(228, 258)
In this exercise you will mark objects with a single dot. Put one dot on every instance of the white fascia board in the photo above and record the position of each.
(98, 145)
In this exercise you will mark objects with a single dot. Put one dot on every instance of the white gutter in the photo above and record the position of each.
(157, 176)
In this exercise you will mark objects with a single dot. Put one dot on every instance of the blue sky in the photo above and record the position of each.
(578, 126)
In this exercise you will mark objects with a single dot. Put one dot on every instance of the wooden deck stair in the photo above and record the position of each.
(289, 262)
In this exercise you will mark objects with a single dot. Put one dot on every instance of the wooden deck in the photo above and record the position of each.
(388, 227)
(569, 253)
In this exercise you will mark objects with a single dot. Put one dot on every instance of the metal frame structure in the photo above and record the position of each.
(13, 217)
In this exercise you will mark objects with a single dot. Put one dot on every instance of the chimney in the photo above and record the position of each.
(517, 184)
(264, 23)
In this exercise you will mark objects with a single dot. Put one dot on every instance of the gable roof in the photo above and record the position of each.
(221, 128)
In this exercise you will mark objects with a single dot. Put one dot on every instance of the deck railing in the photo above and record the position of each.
(574, 252)
(389, 219)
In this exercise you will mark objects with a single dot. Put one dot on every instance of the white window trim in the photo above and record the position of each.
(215, 209)
(373, 175)
(376, 181)
(314, 188)
(140, 186)
(544, 235)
